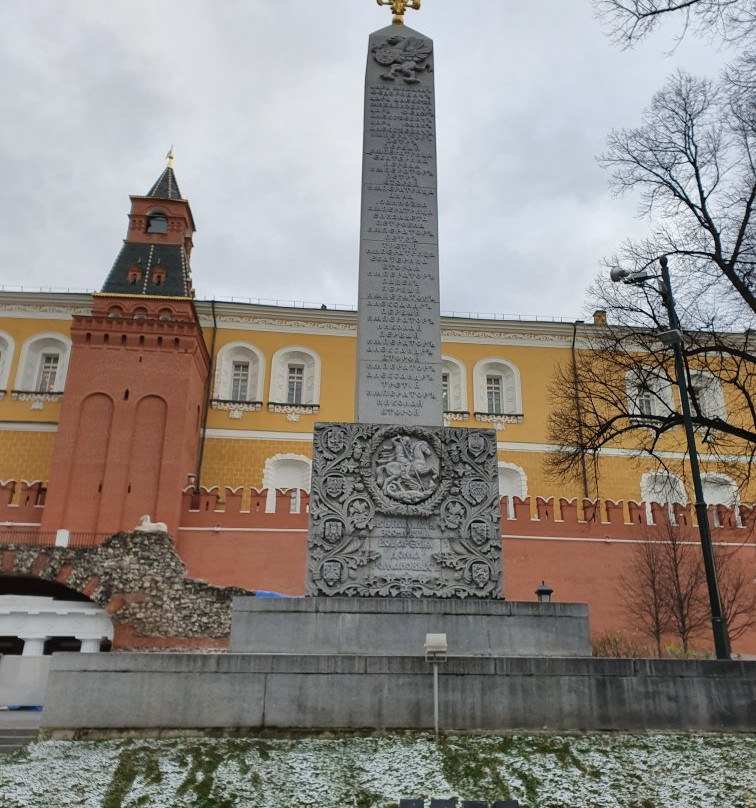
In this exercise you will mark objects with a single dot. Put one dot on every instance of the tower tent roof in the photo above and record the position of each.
(156, 270)
(165, 186)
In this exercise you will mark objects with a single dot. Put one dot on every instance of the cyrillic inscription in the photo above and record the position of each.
(399, 355)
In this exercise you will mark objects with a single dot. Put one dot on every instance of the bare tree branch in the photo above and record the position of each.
(629, 21)
(692, 162)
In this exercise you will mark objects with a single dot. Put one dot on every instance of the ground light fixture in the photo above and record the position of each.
(435, 652)
(673, 338)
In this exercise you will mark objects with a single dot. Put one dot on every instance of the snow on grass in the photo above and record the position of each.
(598, 770)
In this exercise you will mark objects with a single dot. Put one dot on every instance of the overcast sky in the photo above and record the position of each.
(262, 100)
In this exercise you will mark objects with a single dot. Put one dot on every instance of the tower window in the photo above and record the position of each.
(445, 391)
(239, 381)
(48, 370)
(157, 222)
(134, 274)
(295, 384)
(158, 276)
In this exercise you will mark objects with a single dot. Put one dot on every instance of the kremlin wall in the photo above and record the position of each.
(141, 400)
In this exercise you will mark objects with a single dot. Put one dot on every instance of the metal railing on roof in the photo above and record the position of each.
(310, 304)
(8, 287)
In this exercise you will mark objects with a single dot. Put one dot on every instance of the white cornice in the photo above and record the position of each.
(258, 434)
(44, 305)
(27, 426)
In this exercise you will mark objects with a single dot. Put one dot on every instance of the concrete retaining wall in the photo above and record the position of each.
(251, 691)
(23, 680)
(397, 626)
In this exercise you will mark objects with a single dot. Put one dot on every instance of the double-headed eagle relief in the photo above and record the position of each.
(404, 57)
(399, 7)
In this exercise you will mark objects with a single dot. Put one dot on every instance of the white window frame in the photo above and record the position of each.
(295, 379)
(7, 348)
(47, 372)
(510, 383)
(457, 373)
(240, 380)
(647, 385)
(522, 486)
(28, 372)
(279, 375)
(709, 395)
(272, 468)
(663, 488)
(712, 480)
(224, 372)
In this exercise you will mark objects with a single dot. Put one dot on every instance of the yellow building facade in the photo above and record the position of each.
(278, 370)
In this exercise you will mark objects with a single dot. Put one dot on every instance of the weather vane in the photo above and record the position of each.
(399, 7)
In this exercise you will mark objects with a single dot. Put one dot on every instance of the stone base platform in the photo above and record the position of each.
(102, 693)
(396, 627)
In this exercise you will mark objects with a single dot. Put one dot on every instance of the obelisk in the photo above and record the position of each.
(399, 324)
(399, 505)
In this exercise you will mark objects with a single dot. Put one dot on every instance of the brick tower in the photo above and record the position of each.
(130, 420)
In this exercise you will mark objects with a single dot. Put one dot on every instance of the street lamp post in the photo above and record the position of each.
(674, 338)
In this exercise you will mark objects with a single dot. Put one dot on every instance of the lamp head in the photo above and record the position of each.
(435, 646)
(618, 274)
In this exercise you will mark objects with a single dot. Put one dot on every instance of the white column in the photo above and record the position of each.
(34, 646)
(61, 537)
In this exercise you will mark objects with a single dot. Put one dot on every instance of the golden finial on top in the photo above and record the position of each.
(399, 7)
(169, 158)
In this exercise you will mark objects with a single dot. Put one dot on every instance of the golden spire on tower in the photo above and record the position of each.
(169, 158)
(399, 7)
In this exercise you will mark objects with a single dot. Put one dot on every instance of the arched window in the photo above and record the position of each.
(661, 487)
(649, 394)
(6, 357)
(157, 222)
(239, 373)
(453, 385)
(719, 489)
(295, 377)
(706, 397)
(43, 364)
(512, 483)
(497, 387)
(286, 471)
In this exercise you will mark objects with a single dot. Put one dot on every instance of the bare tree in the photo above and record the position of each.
(665, 587)
(686, 586)
(736, 591)
(646, 595)
(693, 160)
(629, 21)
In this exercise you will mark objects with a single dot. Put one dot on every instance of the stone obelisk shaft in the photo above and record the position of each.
(399, 330)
